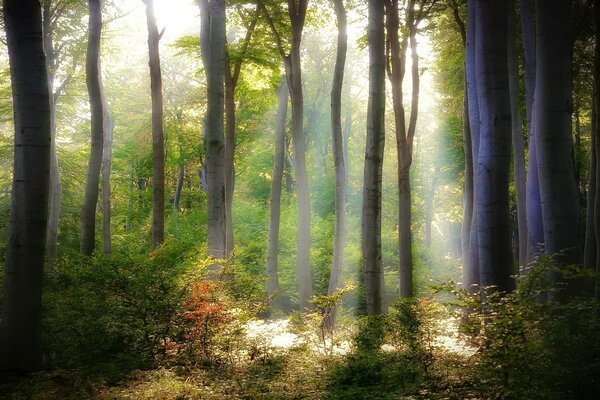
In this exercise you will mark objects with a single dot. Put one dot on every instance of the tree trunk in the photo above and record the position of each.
(275, 199)
(213, 54)
(21, 318)
(94, 85)
(491, 191)
(429, 208)
(552, 114)
(517, 137)
(55, 184)
(371, 211)
(471, 262)
(335, 277)
(179, 187)
(106, 171)
(535, 229)
(158, 143)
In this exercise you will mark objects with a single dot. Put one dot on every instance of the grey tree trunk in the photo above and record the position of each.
(275, 199)
(55, 183)
(231, 80)
(21, 318)
(158, 142)
(293, 73)
(335, 277)
(471, 262)
(517, 136)
(552, 110)
(491, 190)
(535, 229)
(106, 171)
(213, 54)
(94, 85)
(371, 209)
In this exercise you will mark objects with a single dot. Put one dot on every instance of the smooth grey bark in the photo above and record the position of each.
(552, 113)
(96, 96)
(293, 71)
(21, 318)
(535, 230)
(491, 191)
(339, 238)
(105, 177)
(231, 79)
(213, 55)
(55, 183)
(518, 146)
(371, 209)
(275, 199)
(471, 262)
(158, 141)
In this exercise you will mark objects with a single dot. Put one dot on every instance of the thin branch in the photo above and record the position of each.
(273, 29)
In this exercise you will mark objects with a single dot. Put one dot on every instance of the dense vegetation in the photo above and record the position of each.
(307, 200)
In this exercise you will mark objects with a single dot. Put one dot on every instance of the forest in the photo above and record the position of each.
(300, 199)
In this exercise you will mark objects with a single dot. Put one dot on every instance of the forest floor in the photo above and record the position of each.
(281, 362)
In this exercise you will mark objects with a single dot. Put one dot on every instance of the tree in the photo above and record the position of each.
(292, 62)
(98, 111)
(21, 322)
(535, 229)
(552, 115)
(517, 136)
(233, 67)
(493, 165)
(371, 209)
(275, 197)
(158, 142)
(213, 55)
(335, 276)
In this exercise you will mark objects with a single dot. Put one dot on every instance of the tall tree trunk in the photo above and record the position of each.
(471, 263)
(231, 79)
(535, 229)
(21, 318)
(371, 212)
(275, 198)
(213, 54)
(229, 156)
(106, 171)
(517, 136)
(55, 184)
(594, 188)
(179, 187)
(552, 110)
(429, 208)
(491, 191)
(94, 85)
(335, 277)
(158, 142)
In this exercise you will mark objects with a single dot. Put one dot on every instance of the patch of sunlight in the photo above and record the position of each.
(450, 340)
(275, 332)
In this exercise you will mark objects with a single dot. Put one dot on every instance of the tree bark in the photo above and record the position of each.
(371, 209)
(535, 229)
(21, 318)
(339, 238)
(158, 143)
(491, 191)
(213, 54)
(106, 193)
(55, 183)
(293, 72)
(552, 114)
(275, 199)
(471, 263)
(94, 85)
(517, 137)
